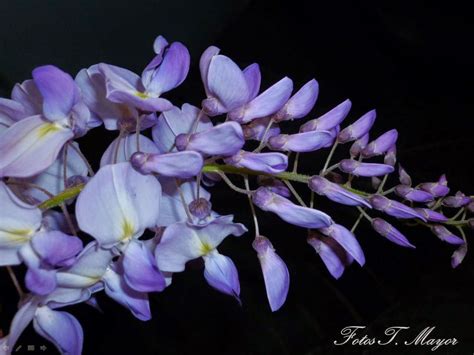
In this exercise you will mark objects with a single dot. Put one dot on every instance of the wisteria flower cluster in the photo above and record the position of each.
(129, 226)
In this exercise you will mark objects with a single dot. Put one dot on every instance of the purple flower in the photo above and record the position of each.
(224, 139)
(178, 121)
(388, 231)
(333, 255)
(346, 239)
(181, 243)
(458, 255)
(358, 129)
(274, 185)
(330, 119)
(380, 145)
(115, 115)
(166, 71)
(265, 104)
(390, 157)
(437, 189)
(271, 163)
(394, 208)
(300, 216)
(300, 104)
(301, 142)
(431, 215)
(225, 83)
(335, 192)
(275, 272)
(358, 168)
(183, 165)
(46, 251)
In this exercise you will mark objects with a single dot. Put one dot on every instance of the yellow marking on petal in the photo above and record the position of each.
(18, 236)
(142, 95)
(128, 230)
(48, 128)
(206, 248)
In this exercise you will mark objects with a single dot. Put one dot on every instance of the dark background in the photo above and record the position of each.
(410, 60)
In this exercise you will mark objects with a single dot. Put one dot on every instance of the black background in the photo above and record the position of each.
(409, 60)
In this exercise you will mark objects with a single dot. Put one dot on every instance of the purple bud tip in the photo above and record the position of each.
(318, 184)
(182, 141)
(261, 244)
(348, 165)
(262, 196)
(76, 180)
(278, 142)
(138, 161)
(456, 201)
(404, 178)
(200, 208)
(382, 227)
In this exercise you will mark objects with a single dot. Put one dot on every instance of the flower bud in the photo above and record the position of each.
(403, 176)
(394, 208)
(274, 185)
(200, 208)
(335, 192)
(432, 216)
(331, 252)
(300, 103)
(301, 142)
(358, 129)
(386, 230)
(224, 139)
(271, 163)
(347, 240)
(300, 216)
(458, 255)
(391, 157)
(275, 272)
(329, 120)
(412, 194)
(437, 189)
(456, 201)
(445, 235)
(182, 165)
(364, 169)
(381, 144)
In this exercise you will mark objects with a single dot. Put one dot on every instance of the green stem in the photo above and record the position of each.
(208, 168)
